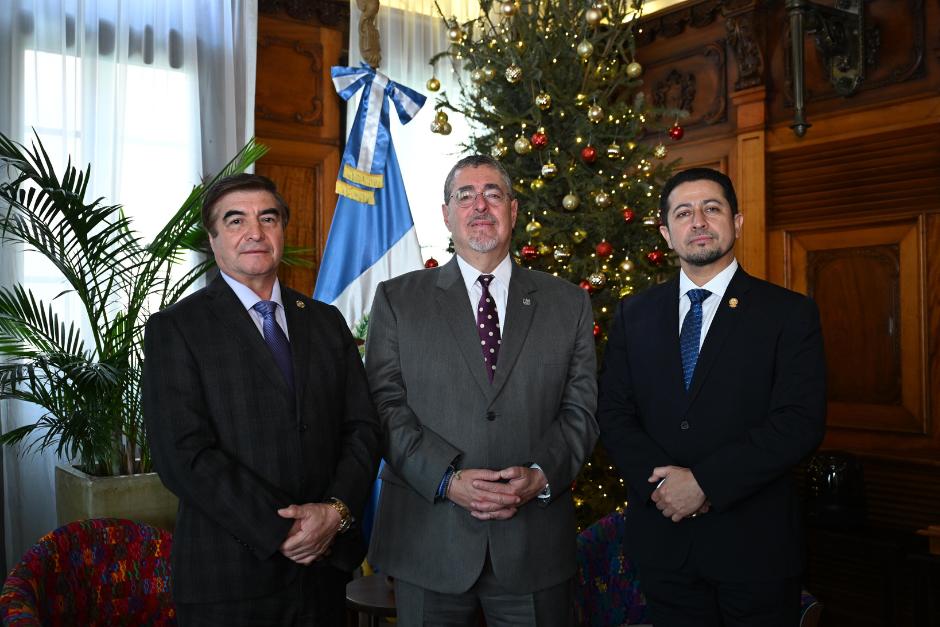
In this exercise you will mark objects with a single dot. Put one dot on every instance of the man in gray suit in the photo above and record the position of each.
(483, 374)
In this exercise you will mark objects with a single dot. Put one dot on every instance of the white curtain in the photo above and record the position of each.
(411, 32)
(156, 95)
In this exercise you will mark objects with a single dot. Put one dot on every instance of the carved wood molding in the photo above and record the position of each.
(679, 87)
(746, 36)
(313, 116)
(672, 23)
(327, 12)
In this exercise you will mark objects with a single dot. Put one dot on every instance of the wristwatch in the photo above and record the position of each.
(345, 515)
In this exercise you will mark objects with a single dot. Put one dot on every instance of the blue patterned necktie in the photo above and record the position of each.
(691, 334)
(276, 340)
(488, 326)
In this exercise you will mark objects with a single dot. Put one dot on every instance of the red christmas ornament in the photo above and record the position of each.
(676, 132)
(585, 285)
(597, 330)
(604, 249)
(589, 154)
(529, 252)
(655, 257)
(431, 263)
(628, 215)
(539, 140)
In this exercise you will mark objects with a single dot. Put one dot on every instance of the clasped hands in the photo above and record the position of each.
(678, 494)
(495, 494)
(309, 539)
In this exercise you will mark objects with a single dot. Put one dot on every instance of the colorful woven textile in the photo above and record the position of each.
(98, 572)
(608, 592)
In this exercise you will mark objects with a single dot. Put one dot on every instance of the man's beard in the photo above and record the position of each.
(705, 257)
(482, 244)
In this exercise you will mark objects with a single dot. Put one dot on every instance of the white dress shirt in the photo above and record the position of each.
(499, 286)
(717, 286)
(249, 299)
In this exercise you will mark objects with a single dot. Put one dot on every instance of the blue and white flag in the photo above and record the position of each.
(372, 237)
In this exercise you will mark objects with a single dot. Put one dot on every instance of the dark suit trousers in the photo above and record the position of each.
(488, 599)
(684, 598)
(315, 599)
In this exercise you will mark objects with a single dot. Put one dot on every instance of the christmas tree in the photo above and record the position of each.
(555, 93)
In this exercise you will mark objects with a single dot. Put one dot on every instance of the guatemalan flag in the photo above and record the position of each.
(372, 237)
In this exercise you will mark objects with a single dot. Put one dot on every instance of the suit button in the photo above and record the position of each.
(490, 416)
(684, 425)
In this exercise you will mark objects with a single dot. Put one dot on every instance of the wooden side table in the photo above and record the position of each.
(370, 597)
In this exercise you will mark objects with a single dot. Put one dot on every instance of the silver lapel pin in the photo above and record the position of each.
(526, 302)
(300, 304)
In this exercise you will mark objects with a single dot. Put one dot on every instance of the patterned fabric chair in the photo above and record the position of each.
(607, 587)
(98, 572)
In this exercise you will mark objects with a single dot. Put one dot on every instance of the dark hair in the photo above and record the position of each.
(239, 183)
(475, 161)
(696, 174)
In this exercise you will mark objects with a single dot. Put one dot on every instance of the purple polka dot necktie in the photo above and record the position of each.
(488, 326)
(691, 334)
(276, 339)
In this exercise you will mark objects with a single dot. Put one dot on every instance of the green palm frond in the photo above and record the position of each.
(90, 391)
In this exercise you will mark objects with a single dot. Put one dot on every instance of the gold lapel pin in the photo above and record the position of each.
(300, 304)
(732, 302)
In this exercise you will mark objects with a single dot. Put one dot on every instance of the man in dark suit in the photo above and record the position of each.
(259, 419)
(706, 419)
(483, 375)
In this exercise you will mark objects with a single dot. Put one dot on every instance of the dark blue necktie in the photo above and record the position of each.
(488, 326)
(691, 334)
(276, 340)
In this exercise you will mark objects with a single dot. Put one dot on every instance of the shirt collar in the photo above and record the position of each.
(718, 284)
(502, 272)
(247, 296)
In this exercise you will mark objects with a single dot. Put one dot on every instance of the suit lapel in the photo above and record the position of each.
(454, 305)
(666, 325)
(227, 308)
(520, 311)
(299, 338)
(725, 321)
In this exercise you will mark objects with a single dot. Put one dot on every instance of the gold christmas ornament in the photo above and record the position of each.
(634, 69)
(537, 185)
(593, 16)
(602, 199)
(562, 253)
(455, 34)
(660, 151)
(522, 145)
(613, 151)
(626, 265)
(544, 249)
(600, 5)
(476, 76)
(533, 228)
(500, 150)
(433, 84)
(597, 280)
(549, 170)
(435, 126)
(440, 116)
(570, 202)
(446, 128)
(489, 72)
(543, 100)
(595, 113)
(585, 49)
(513, 74)
(508, 9)
(578, 236)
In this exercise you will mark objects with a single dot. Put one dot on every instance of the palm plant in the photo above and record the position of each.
(89, 390)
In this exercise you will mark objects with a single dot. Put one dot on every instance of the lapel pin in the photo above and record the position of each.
(526, 302)
(732, 302)
(300, 304)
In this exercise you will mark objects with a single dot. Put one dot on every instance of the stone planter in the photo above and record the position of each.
(141, 498)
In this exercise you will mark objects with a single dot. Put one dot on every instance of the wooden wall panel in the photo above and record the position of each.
(298, 116)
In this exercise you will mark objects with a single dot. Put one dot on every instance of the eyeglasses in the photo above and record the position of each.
(466, 198)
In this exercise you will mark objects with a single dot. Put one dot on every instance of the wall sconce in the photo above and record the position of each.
(843, 42)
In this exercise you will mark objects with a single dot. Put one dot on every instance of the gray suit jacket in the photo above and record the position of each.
(437, 407)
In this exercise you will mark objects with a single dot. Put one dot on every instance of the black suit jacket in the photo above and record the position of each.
(229, 438)
(755, 408)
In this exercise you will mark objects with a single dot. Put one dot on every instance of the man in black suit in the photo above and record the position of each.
(706, 419)
(260, 420)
